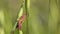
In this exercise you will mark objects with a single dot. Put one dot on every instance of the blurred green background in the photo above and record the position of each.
(44, 17)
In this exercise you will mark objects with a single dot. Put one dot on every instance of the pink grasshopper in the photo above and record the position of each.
(19, 24)
(21, 19)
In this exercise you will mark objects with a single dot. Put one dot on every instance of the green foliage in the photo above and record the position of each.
(43, 18)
